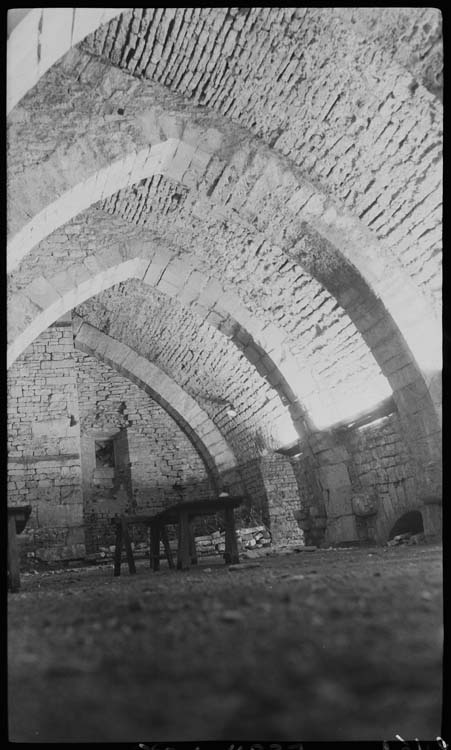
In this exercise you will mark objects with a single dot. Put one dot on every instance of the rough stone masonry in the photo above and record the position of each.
(224, 271)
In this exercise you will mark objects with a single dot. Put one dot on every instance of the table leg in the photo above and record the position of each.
(128, 547)
(231, 545)
(118, 550)
(167, 548)
(192, 545)
(183, 552)
(13, 556)
(155, 545)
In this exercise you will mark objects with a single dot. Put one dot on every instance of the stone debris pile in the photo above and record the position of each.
(249, 540)
(407, 538)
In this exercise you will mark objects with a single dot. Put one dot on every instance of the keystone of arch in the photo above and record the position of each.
(41, 38)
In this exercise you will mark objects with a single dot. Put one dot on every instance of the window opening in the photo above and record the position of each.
(104, 450)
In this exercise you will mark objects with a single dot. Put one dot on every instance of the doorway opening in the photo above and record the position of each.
(409, 523)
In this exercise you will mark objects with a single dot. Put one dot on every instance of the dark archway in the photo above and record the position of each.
(409, 523)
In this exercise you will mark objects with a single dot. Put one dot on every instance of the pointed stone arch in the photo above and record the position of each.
(45, 300)
(232, 173)
(186, 412)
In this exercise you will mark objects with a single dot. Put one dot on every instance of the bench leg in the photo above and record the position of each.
(183, 552)
(192, 545)
(167, 548)
(128, 548)
(231, 545)
(118, 550)
(13, 556)
(155, 546)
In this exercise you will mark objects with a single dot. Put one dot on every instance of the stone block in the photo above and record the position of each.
(342, 529)
(42, 293)
(53, 554)
(333, 455)
(431, 500)
(432, 521)
(211, 140)
(335, 475)
(49, 514)
(364, 504)
(338, 501)
(76, 536)
(171, 125)
(54, 428)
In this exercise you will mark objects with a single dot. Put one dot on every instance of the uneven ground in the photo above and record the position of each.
(316, 645)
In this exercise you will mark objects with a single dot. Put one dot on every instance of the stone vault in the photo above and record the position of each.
(225, 222)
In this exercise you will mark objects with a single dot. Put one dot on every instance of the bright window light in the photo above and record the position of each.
(330, 408)
(284, 431)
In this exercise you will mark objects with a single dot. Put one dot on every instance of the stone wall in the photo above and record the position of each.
(271, 496)
(311, 514)
(354, 483)
(346, 485)
(155, 463)
(282, 497)
(44, 446)
(380, 467)
(255, 508)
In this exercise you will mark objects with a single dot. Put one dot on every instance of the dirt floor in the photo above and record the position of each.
(341, 644)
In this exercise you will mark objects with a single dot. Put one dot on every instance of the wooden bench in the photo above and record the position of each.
(17, 520)
(181, 515)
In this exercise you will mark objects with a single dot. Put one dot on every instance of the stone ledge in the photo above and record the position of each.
(57, 458)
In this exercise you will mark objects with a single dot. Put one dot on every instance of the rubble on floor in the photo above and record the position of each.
(252, 540)
(253, 543)
(248, 539)
(407, 538)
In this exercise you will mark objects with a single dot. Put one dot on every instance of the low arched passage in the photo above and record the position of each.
(409, 523)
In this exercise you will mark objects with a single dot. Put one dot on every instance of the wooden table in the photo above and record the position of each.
(181, 515)
(17, 520)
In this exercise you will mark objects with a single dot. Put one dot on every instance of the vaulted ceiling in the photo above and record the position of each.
(248, 198)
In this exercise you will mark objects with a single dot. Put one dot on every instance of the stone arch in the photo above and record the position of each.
(221, 161)
(49, 299)
(262, 348)
(419, 415)
(174, 277)
(309, 208)
(238, 177)
(411, 521)
(379, 309)
(192, 420)
(41, 37)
